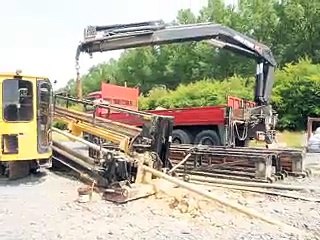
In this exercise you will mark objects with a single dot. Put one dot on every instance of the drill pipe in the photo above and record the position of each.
(257, 190)
(236, 206)
(253, 184)
(87, 143)
(180, 163)
(81, 174)
(60, 147)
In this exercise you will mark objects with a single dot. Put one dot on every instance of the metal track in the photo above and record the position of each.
(246, 164)
(287, 159)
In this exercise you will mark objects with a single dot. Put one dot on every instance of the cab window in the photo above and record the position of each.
(17, 100)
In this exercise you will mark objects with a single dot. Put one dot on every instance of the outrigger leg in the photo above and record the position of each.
(18, 169)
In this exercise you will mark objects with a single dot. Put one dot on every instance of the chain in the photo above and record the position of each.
(77, 70)
(78, 80)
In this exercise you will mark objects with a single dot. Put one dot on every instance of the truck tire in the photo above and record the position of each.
(181, 137)
(207, 137)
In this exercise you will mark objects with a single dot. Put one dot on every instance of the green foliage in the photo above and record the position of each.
(296, 94)
(291, 28)
(200, 93)
(60, 125)
(298, 30)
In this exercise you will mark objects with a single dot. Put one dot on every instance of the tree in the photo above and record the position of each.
(291, 28)
(296, 94)
(297, 34)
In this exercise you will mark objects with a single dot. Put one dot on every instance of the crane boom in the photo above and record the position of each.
(123, 36)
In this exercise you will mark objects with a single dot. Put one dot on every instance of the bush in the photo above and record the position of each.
(60, 125)
(201, 93)
(296, 94)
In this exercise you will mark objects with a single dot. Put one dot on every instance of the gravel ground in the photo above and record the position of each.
(46, 207)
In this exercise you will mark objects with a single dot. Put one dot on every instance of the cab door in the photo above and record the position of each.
(44, 115)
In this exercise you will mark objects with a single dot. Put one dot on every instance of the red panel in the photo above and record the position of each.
(121, 96)
(182, 117)
(196, 116)
(125, 118)
(236, 103)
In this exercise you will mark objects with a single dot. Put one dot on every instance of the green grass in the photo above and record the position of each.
(77, 107)
(292, 139)
(285, 139)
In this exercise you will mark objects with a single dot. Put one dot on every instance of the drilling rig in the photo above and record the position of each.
(119, 152)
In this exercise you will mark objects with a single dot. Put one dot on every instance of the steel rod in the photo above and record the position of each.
(87, 143)
(180, 163)
(258, 190)
(253, 184)
(81, 174)
(73, 158)
(74, 153)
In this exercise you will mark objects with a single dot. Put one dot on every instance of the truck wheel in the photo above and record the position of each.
(207, 137)
(181, 137)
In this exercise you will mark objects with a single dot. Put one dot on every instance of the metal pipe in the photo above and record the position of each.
(89, 144)
(145, 115)
(225, 202)
(88, 117)
(81, 174)
(258, 190)
(253, 184)
(73, 158)
(58, 146)
(180, 163)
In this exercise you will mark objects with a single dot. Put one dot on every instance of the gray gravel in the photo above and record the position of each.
(46, 208)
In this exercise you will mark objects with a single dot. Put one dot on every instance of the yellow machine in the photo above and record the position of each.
(25, 124)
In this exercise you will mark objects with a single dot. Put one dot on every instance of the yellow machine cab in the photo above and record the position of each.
(25, 124)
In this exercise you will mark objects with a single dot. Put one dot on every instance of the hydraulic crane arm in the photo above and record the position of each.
(122, 36)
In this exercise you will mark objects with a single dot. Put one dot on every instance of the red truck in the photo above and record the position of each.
(193, 125)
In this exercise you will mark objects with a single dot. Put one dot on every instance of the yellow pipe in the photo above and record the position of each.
(78, 127)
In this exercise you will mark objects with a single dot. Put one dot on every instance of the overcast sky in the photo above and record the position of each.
(40, 37)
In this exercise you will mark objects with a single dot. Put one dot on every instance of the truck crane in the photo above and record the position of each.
(258, 121)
